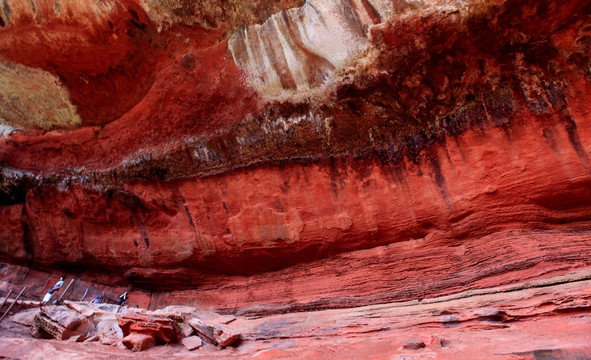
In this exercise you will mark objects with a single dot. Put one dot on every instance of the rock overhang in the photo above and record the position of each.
(208, 169)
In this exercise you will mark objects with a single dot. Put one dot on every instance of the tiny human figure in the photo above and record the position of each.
(53, 289)
(122, 299)
(97, 299)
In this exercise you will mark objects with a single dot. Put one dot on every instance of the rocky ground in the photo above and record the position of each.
(545, 319)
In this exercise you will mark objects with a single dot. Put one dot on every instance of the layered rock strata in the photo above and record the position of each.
(198, 148)
(544, 321)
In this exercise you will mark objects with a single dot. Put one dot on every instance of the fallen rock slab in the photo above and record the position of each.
(94, 337)
(83, 309)
(192, 342)
(186, 330)
(138, 342)
(61, 322)
(78, 338)
(214, 332)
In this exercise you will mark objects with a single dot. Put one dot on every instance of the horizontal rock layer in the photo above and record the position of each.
(533, 176)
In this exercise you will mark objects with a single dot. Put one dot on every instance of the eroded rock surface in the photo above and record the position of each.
(61, 323)
(192, 342)
(138, 342)
(215, 333)
(161, 330)
(448, 121)
(272, 157)
(515, 322)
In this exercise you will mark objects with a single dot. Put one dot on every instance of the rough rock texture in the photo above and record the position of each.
(268, 157)
(432, 136)
(215, 333)
(192, 342)
(138, 342)
(539, 321)
(60, 323)
(34, 98)
(163, 331)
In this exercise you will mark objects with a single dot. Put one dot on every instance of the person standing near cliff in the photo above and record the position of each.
(53, 289)
(122, 299)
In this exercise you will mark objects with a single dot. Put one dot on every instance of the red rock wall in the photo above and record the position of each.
(266, 217)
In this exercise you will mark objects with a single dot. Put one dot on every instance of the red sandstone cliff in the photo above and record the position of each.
(365, 151)
(426, 162)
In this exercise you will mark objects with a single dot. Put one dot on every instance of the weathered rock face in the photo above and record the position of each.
(107, 54)
(175, 144)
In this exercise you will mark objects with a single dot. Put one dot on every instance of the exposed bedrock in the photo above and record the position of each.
(269, 217)
(398, 141)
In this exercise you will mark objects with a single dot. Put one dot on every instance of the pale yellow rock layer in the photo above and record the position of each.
(33, 98)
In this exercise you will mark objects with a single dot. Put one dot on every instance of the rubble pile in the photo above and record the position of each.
(136, 329)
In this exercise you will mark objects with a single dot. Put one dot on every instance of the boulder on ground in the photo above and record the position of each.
(108, 330)
(61, 322)
(192, 342)
(138, 342)
(162, 330)
(138, 330)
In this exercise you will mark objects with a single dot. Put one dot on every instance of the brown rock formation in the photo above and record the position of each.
(448, 139)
